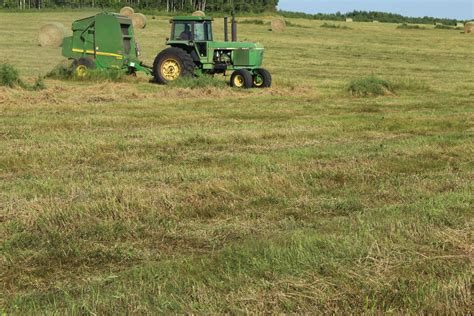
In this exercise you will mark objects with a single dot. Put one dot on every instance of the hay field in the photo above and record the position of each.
(136, 198)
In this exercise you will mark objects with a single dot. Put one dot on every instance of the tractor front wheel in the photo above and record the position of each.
(171, 64)
(81, 66)
(262, 78)
(241, 78)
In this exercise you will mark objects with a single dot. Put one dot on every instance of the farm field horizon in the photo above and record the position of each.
(131, 197)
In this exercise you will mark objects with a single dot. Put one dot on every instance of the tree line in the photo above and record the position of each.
(369, 16)
(255, 6)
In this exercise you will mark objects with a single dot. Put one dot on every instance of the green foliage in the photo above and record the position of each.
(199, 82)
(370, 86)
(368, 16)
(335, 26)
(66, 72)
(255, 21)
(10, 77)
(291, 24)
(444, 27)
(405, 26)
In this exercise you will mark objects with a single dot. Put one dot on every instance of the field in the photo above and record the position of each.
(129, 197)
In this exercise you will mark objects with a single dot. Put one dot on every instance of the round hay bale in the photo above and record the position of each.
(278, 25)
(127, 11)
(138, 20)
(51, 35)
(469, 28)
(349, 20)
(199, 13)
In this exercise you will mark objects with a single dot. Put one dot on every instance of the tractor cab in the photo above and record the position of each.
(191, 32)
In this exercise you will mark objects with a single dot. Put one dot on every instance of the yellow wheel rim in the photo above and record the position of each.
(258, 81)
(81, 71)
(239, 81)
(170, 69)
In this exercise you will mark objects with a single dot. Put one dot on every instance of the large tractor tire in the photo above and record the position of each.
(241, 78)
(262, 78)
(81, 66)
(171, 64)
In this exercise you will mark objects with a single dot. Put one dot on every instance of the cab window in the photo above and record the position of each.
(203, 31)
(182, 31)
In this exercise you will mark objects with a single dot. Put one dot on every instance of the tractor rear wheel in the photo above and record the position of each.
(262, 78)
(82, 65)
(171, 64)
(241, 78)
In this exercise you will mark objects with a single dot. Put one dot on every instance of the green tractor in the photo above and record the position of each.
(193, 52)
(107, 41)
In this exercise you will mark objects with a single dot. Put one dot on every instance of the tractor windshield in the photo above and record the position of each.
(189, 31)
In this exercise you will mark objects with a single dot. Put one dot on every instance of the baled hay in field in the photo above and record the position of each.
(459, 24)
(199, 13)
(127, 11)
(278, 25)
(349, 20)
(469, 27)
(139, 20)
(51, 34)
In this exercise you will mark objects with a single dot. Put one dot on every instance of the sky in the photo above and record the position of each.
(455, 9)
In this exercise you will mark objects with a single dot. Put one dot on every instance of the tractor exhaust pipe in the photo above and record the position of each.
(234, 28)
(226, 28)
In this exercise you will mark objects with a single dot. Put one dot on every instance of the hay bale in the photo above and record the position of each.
(469, 27)
(278, 25)
(349, 20)
(51, 35)
(127, 11)
(460, 25)
(139, 20)
(199, 13)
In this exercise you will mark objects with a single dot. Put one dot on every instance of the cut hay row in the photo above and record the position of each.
(51, 34)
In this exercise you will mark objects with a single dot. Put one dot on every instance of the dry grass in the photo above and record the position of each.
(129, 197)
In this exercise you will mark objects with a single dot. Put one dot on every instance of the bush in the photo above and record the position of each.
(256, 22)
(196, 83)
(444, 27)
(10, 77)
(370, 86)
(405, 26)
(65, 72)
(335, 26)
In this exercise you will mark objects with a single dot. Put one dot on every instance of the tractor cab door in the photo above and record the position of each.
(202, 32)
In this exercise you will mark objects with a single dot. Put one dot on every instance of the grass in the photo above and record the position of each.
(370, 86)
(405, 26)
(129, 197)
(335, 26)
(10, 77)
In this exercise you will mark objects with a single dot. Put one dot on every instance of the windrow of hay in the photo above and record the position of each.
(127, 11)
(139, 20)
(278, 25)
(469, 27)
(199, 13)
(51, 35)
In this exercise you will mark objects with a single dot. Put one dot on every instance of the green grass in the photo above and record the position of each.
(405, 26)
(10, 77)
(335, 26)
(130, 197)
(370, 86)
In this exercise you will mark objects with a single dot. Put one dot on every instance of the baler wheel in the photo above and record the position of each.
(262, 78)
(241, 78)
(81, 66)
(171, 64)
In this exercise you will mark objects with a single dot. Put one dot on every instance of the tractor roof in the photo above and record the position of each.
(192, 18)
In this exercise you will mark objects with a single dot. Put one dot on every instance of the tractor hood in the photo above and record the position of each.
(235, 45)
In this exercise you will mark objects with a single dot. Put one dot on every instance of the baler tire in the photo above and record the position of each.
(241, 78)
(265, 76)
(82, 63)
(176, 55)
